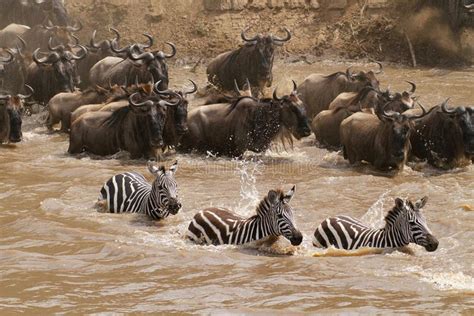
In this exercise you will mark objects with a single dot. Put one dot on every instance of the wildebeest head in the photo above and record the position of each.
(292, 113)
(276, 206)
(165, 186)
(364, 79)
(414, 227)
(400, 102)
(102, 48)
(181, 109)
(397, 129)
(54, 9)
(6, 61)
(461, 121)
(11, 105)
(264, 45)
(61, 34)
(154, 113)
(155, 63)
(63, 64)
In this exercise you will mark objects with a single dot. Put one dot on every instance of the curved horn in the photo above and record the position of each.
(167, 103)
(93, 44)
(9, 59)
(37, 60)
(145, 103)
(413, 87)
(242, 35)
(23, 43)
(469, 6)
(445, 109)
(117, 34)
(380, 68)
(146, 55)
(21, 96)
(76, 57)
(295, 86)
(75, 28)
(349, 72)
(424, 113)
(150, 41)
(285, 39)
(236, 87)
(55, 48)
(173, 50)
(5, 96)
(76, 40)
(194, 89)
(49, 26)
(164, 92)
(275, 97)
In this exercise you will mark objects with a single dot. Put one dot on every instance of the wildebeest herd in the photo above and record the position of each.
(113, 97)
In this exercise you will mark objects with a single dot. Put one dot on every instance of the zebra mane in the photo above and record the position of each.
(393, 214)
(265, 204)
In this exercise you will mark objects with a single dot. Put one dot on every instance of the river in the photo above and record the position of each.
(57, 254)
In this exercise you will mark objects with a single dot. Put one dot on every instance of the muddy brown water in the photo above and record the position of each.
(59, 255)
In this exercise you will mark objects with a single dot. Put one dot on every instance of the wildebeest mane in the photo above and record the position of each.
(336, 74)
(117, 117)
(234, 102)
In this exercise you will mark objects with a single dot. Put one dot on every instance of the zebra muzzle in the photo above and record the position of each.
(174, 207)
(296, 239)
(431, 243)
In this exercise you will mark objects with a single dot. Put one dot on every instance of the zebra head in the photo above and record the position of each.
(419, 232)
(166, 188)
(281, 215)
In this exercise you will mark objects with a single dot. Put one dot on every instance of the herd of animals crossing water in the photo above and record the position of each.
(113, 97)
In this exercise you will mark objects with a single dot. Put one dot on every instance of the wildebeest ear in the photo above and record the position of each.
(399, 203)
(421, 203)
(174, 167)
(152, 168)
(287, 197)
(272, 196)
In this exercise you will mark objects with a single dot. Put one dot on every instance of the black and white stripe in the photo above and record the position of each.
(130, 192)
(220, 226)
(404, 224)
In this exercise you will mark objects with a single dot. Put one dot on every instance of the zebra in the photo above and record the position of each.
(404, 224)
(130, 192)
(273, 218)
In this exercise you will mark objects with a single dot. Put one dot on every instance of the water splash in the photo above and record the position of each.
(376, 213)
(249, 195)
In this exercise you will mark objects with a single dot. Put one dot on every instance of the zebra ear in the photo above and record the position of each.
(287, 197)
(399, 203)
(174, 167)
(272, 196)
(421, 203)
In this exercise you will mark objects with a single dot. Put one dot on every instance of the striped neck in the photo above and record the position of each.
(395, 233)
(252, 229)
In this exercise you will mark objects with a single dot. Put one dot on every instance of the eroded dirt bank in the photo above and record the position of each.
(346, 29)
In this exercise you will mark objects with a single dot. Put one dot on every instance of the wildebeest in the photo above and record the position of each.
(317, 91)
(252, 61)
(32, 12)
(61, 106)
(145, 65)
(137, 128)
(97, 51)
(445, 137)
(10, 117)
(9, 35)
(382, 140)
(54, 73)
(326, 124)
(39, 35)
(13, 71)
(245, 124)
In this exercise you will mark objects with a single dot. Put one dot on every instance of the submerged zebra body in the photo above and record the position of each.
(274, 218)
(130, 192)
(404, 224)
